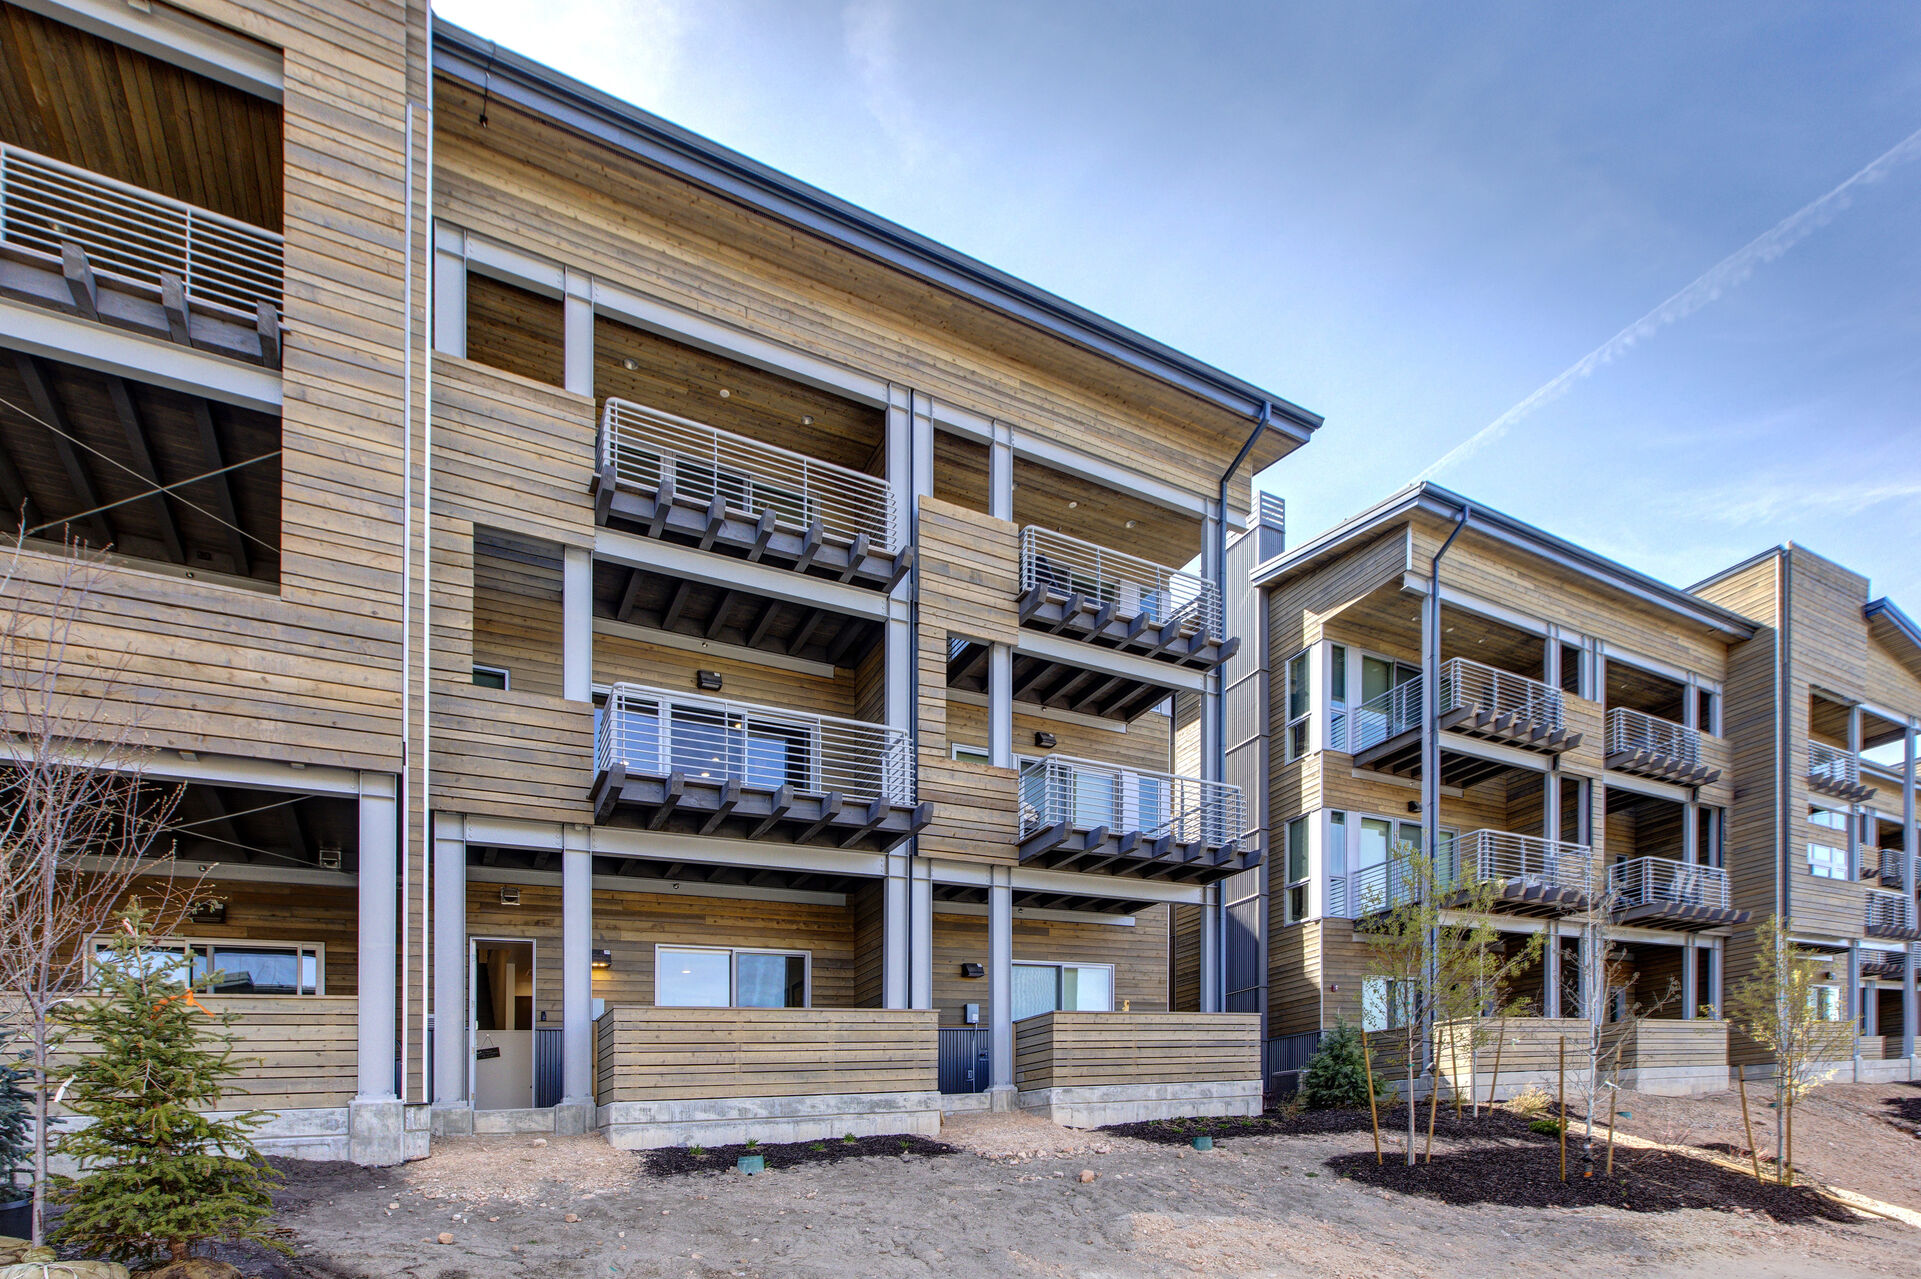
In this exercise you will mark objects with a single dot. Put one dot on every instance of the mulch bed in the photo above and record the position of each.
(1308, 1123)
(678, 1161)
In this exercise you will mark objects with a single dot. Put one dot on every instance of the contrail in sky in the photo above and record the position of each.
(1716, 280)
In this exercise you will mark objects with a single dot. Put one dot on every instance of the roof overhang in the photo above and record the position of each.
(1895, 631)
(512, 78)
(1432, 499)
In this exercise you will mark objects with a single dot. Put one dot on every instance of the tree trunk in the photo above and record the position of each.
(1410, 1100)
(40, 1116)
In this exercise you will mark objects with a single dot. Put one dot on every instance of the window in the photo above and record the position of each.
(1337, 697)
(720, 977)
(1826, 1002)
(1706, 706)
(1826, 862)
(1571, 669)
(238, 968)
(1046, 988)
(1296, 870)
(970, 754)
(1829, 819)
(1386, 1004)
(1299, 704)
(1379, 717)
(492, 677)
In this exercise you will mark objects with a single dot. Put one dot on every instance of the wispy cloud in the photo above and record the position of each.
(1724, 275)
(871, 35)
(636, 52)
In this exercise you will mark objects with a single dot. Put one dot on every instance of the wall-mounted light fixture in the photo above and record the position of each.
(207, 910)
(329, 857)
(510, 895)
(1413, 805)
(603, 959)
(708, 681)
(973, 970)
(1045, 741)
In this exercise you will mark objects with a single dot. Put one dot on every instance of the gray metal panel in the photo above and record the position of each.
(547, 1064)
(964, 1060)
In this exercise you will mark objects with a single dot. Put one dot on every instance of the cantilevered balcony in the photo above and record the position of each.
(1835, 771)
(1114, 600)
(1529, 875)
(1664, 892)
(1476, 701)
(672, 478)
(1890, 915)
(1649, 746)
(671, 762)
(1083, 815)
(106, 250)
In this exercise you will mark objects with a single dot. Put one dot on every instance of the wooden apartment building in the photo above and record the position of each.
(648, 646)
(1598, 732)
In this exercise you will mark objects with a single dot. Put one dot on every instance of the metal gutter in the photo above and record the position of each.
(510, 77)
(1884, 610)
(1435, 500)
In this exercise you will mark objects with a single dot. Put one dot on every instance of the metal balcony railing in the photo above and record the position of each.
(1478, 857)
(1833, 764)
(653, 731)
(1636, 731)
(1648, 881)
(649, 449)
(1134, 586)
(137, 235)
(1464, 685)
(1087, 795)
(1889, 912)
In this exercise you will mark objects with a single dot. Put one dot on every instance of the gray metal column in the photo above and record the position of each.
(450, 964)
(577, 624)
(920, 906)
(1910, 850)
(896, 986)
(374, 1120)
(1000, 706)
(1000, 984)
(1212, 984)
(577, 350)
(1690, 979)
(1551, 972)
(576, 976)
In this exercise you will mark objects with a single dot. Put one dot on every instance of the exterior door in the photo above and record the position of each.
(500, 1019)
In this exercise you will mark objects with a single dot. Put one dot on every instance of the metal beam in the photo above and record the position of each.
(107, 349)
(620, 547)
(1110, 661)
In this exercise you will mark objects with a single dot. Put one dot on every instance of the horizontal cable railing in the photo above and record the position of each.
(650, 730)
(1464, 685)
(1833, 764)
(648, 448)
(137, 235)
(1649, 881)
(1134, 586)
(1889, 911)
(1087, 794)
(1635, 731)
(1478, 857)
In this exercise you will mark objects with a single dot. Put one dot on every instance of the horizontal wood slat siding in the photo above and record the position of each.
(294, 1052)
(1656, 1043)
(1075, 1049)
(512, 453)
(675, 1054)
(1528, 1045)
(1138, 953)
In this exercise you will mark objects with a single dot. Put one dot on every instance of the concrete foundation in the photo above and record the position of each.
(452, 1121)
(377, 1132)
(1095, 1106)
(540, 1120)
(965, 1103)
(728, 1121)
(1676, 1081)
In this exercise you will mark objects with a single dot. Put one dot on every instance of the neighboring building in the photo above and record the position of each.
(674, 654)
(1824, 705)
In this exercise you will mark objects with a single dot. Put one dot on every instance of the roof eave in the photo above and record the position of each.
(512, 77)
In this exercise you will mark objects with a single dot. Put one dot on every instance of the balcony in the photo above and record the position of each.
(1648, 746)
(697, 765)
(1890, 915)
(671, 478)
(1662, 891)
(1477, 701)
(1835, 771)
(1083, 815)
(1530, 875)
(107, 250)
(1119, 601)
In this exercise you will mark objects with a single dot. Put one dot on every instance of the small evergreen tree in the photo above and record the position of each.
(157, 1173)
(1336, 1075)
(16, 1130)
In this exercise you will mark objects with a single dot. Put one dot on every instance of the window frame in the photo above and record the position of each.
(1297, 828)
(506, 684)
(1833, 865)
(733, 954)
(962, 753)
(100, 942)
(1297, 687)
(1060, 964)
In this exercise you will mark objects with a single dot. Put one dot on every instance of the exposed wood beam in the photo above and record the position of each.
(173, 300)
(768, 612)
(1065, 690)
(669, 618)
(629, 593)
(13, 490)
(212, 459)
(80, 282)
(1036, 671)
(805, 631)
(779, 807)
(718, 621)
(33, 374)
(136, 434)
(850, 631)
(297, 833)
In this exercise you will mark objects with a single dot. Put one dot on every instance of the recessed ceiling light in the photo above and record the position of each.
(807, 419)
(630, 364)
(725, 393)
(1072, 505)
(1132, 523)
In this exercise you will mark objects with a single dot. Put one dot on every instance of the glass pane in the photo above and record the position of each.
(692, 979)
(309, 973)
(1376, 677)
(1035, 989)
(776, 759)
(1335, 854)
(771, 981)
(252, 970)
(1087, 990)
(1374, 839)
(1297, 850)
(170, 961)
(701, 744)
(1297, 687)
(1337, 672)
(1094, 799)
(1374, 1004)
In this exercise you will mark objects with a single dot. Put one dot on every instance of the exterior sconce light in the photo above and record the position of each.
(509, 895)
(1045, 741)
(973, 970)
(708, 681)
(603, 959)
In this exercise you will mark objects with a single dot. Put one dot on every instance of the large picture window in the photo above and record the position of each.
(237, 967)
(1046, 988)
(724, 977)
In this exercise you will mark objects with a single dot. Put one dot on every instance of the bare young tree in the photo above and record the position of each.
(78, 820)
(1780, 1006)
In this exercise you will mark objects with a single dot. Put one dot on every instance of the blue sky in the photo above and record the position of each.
(1408, 218)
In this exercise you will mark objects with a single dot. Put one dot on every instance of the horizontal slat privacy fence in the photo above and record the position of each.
(1648, 1043)
(294, 1052)
(1079, 1049)
(674, 1054)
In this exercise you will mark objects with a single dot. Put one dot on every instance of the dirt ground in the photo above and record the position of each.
(1012, 1203)
(1860, 1136)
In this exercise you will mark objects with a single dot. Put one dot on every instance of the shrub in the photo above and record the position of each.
(1336, 1075)
(1529, 1101)
(16, 1140)
(1547, 1127)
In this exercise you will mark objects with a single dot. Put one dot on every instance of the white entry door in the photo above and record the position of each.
(500, 1019)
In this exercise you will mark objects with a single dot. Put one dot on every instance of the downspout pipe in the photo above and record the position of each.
(1218, 711)
(1431, 723)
